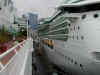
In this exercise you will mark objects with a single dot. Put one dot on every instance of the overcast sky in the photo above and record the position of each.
(44, 8)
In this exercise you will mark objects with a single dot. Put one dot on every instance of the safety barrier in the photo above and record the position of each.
(14, 60)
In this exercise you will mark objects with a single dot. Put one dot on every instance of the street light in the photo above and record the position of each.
(27, 28)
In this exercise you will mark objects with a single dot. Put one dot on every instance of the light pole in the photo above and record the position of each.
(27, 28)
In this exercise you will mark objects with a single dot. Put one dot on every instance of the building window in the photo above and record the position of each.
(96, 15)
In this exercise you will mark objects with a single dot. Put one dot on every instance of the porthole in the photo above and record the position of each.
(96, 15)
(83, 16)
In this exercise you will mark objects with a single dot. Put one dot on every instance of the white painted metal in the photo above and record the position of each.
(21, 62)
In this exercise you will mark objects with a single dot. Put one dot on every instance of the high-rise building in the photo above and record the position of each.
(33, 20)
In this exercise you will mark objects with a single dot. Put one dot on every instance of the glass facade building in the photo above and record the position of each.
(33, 20)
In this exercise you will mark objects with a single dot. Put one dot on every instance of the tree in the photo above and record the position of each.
(3, 34)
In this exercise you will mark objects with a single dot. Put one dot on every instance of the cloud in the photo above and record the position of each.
(44, 8)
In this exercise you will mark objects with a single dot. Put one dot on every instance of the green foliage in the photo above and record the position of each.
(22, 32)
(19, 34)
(3, 34)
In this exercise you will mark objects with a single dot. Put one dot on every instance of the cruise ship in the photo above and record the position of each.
(71, 39)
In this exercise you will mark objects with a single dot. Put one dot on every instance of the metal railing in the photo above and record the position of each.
(15, 60)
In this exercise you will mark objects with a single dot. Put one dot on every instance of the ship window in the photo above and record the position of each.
(69, 25)
(81, 65)
(65, 56)
(71, 60)
(49, 43)
(74, 27)
(75, 62)
(96, 15)
(70, 29)
(84, 16)
(96, 55)
(73, 37)
(78, 27)
(68, 58)
(77, 38)
(82, 37)
(5, 3)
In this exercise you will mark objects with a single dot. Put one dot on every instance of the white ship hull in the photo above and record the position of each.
(80, 53)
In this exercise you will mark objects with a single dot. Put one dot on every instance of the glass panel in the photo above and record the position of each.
(59, 26)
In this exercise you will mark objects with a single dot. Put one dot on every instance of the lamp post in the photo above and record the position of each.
(27, 28)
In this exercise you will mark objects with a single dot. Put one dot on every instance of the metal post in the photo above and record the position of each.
(27, 28)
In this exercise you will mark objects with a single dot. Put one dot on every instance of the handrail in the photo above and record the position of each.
(17, 60)
(11, 49)
(3, 61)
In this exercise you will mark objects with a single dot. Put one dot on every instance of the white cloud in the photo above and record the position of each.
(44, 8)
